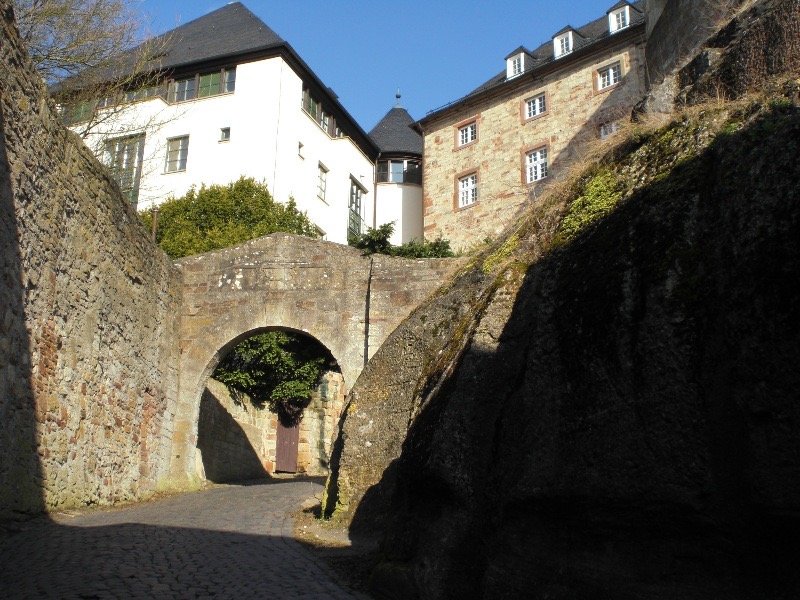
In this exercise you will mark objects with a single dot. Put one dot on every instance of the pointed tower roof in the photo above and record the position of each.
(393, 133)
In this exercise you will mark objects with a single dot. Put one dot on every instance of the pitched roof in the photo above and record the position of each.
(587, 35)
(618, 5)
(393, 133)
(228, 31)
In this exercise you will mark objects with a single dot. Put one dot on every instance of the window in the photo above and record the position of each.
(177, 153)
(182, 90)
(536, 165)
(562, 44)
(229, 80)
(618, 19)
(123, 156)
(467, 190)
(143, 93)
(516, 66)
(608, 129)
(322, 182)
(77, 112)
(225, 134)
(399, 171)
(210, 85)
(467, 134)
(355, 219)
(310, 105)
(608, 76)
(203, 85)
(535, 106)
(324, 119)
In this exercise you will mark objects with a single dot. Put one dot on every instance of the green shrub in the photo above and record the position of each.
(600, 195)
(219, 216)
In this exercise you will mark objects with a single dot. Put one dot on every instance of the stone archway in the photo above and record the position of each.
(348, 302)
(238, 439)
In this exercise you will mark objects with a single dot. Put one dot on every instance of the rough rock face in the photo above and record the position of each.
(759, 43)
(626, 425)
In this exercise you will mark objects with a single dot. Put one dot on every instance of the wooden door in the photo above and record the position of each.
(286, 451)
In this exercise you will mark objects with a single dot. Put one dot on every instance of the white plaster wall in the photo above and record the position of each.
(401, 203)
(340, 156)
(267, 123)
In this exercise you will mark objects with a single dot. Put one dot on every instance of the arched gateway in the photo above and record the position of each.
(348, 302)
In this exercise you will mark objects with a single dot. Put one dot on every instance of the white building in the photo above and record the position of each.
(236, 100)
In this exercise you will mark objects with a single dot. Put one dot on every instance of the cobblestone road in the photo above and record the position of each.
(225, 542)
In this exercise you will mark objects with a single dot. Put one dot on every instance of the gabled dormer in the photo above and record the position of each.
(564, 42)
(619, 17)
(518, 62)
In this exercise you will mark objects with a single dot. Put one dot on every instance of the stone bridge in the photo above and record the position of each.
(348, 302)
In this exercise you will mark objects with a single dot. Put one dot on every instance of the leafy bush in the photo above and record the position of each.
(376, 241)
(277, 369)
(218, 216)
(600, 195)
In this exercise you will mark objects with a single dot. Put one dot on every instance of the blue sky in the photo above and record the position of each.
(434, 51)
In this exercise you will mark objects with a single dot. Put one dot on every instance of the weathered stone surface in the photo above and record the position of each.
(759, 43)
(88, 373)
(237, 439)
(346, 301)
(677, 28)
(624, 423)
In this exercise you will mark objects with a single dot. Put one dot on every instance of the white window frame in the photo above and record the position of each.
(124, 157)
(535, 106)
(467, 190)
(355, 218)
(619, 19)
(322, 181)
(609, 76)
(179, 164)
(563, 44)
(224, 134)
(467, 133)
(516, 65)
(536, 167)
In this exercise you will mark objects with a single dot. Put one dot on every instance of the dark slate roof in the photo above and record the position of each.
(589, 34)
(516, 51)
(393, 133)
(618, 5)
(228, 31)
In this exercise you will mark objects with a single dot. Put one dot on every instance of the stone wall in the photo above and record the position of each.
(237, 440)
(568, 129)
(89, 335)
(348, 302)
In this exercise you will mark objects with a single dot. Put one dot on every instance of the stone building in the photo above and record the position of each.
(491, 151)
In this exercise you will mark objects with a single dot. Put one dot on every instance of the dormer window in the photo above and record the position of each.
(619, 19)
(517, 64)
(563, 44)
